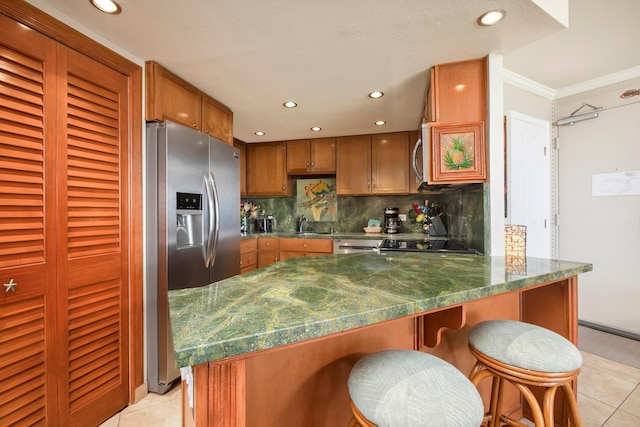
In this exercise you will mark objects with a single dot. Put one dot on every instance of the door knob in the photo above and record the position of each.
(11, 286)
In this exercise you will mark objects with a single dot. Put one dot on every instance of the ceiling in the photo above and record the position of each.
(328, 55)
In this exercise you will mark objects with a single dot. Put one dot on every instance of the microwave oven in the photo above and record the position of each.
(421, 161)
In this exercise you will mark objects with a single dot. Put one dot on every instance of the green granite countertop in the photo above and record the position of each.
(309, 297)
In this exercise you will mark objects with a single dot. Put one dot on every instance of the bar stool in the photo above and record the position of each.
(525, 355)
(406, 388)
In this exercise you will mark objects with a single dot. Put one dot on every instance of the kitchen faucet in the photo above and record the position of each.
(301, 222)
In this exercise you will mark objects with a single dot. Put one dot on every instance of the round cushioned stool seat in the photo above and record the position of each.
(525, 346)
(410, 388)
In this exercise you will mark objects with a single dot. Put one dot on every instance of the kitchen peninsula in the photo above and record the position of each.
(274, 346)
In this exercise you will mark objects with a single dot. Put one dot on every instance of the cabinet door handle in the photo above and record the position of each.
(11, 286)
(374, 184)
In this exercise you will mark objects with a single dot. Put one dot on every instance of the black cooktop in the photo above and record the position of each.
(426, 245)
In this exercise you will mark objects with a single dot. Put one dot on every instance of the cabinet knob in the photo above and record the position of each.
(313, 163)
(207, 131)
(304, 245)
(307, 163)
(11, 286)
(195, 125)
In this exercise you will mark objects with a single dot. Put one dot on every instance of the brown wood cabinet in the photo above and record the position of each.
(64, 254)
(217, 119)
(169, 97)
(373, 164)
(248, 254)
(293, 247)
(311, 156)
(267, 170)
(457, 92)
(268, 250)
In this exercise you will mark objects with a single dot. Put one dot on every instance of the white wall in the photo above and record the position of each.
(604, 231)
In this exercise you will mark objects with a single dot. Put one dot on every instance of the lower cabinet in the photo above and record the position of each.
(291, 247)
(248, 254)
(272, 249)
(268, 250)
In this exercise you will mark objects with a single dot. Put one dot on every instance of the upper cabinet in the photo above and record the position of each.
(168, 97)
(267, 170)
(456, 109)
(217, 119)
(457, 92)
(373, 164)
(311, 156)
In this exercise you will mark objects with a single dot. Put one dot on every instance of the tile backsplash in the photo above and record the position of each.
(463, 207)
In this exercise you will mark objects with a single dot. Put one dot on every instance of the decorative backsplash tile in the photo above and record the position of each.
(463, 212)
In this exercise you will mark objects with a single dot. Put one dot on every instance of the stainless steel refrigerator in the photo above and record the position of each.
(192, 228)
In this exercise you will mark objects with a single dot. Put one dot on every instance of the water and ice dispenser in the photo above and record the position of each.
(189, 220)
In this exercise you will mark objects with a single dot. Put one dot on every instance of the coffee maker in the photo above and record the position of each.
(391, 220)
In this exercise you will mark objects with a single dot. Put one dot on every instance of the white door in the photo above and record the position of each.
(602, 229)
(529, 181)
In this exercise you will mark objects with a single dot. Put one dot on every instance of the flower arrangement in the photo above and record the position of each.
(250, 209)
(421, 214)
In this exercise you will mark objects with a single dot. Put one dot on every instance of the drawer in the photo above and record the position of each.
(268, 243)
(307, 245)
(248, 245)
(247, 259)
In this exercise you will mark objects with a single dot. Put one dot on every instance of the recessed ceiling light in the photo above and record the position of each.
(380, 122)
(316, 128)
(376, 95)
(260, 133)
(492, 17)
(290, 104)
(106, 6)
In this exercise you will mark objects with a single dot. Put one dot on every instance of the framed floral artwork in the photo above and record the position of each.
(458, 153)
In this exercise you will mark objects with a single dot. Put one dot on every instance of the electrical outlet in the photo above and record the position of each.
(402, 217)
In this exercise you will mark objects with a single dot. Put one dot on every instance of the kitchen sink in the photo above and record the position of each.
(313, 233)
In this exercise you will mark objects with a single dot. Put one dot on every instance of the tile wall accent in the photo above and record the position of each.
(464, 214)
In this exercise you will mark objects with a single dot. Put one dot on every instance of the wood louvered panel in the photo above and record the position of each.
(93, 169)
(94, 340)
(22, 363)
(93, 271)
(22, 159)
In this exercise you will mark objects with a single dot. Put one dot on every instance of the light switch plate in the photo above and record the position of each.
(402, 217)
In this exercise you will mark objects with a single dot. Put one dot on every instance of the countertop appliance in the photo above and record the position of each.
(192, 197)
(391, 220)
(426, 245)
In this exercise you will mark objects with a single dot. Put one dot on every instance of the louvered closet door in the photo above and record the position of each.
(27, 227)
(92, 250)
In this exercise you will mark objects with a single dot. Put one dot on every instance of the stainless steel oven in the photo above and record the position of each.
(349, 246)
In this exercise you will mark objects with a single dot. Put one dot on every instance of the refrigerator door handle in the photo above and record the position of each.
(209, 231)
(215, 220)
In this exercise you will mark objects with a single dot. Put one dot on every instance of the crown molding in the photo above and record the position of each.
(529, 85)
(613, 78)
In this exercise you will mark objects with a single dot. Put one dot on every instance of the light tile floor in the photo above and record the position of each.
(608, 396)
